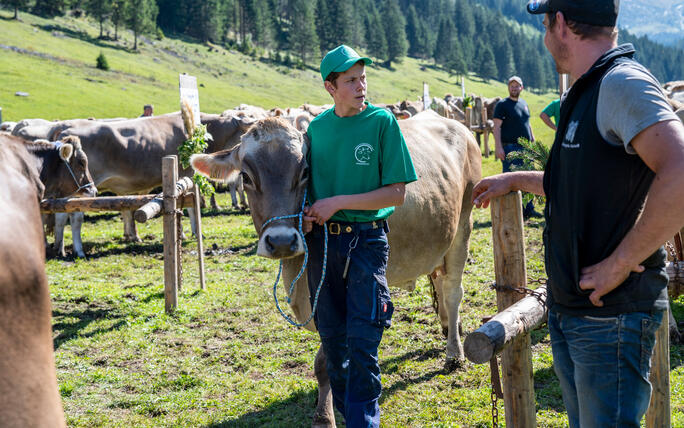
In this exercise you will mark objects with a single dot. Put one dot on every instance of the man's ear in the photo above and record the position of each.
(217, 166)
(329, 87)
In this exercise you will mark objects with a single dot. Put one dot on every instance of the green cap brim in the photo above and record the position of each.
(349, 64)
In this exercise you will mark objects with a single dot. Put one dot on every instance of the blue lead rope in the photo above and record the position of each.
(300, 216)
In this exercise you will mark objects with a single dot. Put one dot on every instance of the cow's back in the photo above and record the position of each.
(28, 385)
(124, 157)
(448, 164)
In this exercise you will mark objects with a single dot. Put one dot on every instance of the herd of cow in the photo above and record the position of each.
(430, 232)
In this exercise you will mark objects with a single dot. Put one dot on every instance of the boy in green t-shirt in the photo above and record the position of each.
(359, 165)
(551, 111)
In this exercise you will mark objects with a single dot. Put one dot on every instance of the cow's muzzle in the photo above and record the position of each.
(280, 242)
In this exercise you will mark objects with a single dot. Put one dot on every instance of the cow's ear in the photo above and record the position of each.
(65, 151)
(306, 144)
(217, 166)
(302, 122)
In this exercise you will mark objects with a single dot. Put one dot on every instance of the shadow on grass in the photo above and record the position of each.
(482, 224)
(547, 390)
(94, 218)
(71, 319)
(81, 35)
(391, 365)
(135, 248)
(224, 212)
(295, 410)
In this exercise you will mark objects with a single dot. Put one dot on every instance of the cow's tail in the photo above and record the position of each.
(188, 117)
(435, 301)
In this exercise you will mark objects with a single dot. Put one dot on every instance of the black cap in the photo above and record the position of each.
(593, 12)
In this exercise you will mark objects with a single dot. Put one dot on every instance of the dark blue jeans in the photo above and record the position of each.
(351, 316)
(603, 364)
(507, 165)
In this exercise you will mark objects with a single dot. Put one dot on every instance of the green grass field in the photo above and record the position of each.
(226, 358)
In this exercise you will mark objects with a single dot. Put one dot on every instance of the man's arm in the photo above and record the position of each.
(547, 120)
(501, 184)
(498, 145)
(391, 195)
(661, 147)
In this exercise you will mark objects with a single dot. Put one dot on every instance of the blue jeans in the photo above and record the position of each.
(507, 165)
(603, 364)
(351, 316)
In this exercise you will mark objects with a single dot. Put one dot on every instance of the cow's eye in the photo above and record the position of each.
(246, 181)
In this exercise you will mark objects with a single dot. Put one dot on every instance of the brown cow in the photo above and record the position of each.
(430, 231)
(125, 157)
(28, 384)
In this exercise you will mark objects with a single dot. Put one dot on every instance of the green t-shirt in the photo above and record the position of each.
(357, 154)
(553, 110)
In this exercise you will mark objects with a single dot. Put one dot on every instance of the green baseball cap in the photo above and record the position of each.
(341, 59)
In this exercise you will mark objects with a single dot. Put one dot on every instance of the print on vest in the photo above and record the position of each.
(363, 153)
(568, 141)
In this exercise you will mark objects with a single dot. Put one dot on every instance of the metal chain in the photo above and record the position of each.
(495, 409)
(669, 247)
(524, 290)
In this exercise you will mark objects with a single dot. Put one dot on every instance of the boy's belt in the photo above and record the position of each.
(335, 228)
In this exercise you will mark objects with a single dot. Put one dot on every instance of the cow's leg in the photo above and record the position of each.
(241, 193)
(130, 228)
(60, 223)
(437, 282)
(214, 205)
(456, 258)
(232, 188)
(76, 220)
(193, 221)
(324, 417)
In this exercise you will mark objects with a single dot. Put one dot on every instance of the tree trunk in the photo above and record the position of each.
(16, 12)
(135, 40)
(101, 20)
(116, 32)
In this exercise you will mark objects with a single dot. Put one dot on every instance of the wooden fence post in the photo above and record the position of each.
(169, 178)
(198, 228)
(658, 413)
(510, 269)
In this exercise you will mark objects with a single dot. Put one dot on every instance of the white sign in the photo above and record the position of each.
(188, 91)
(427, 102)
(463, 86)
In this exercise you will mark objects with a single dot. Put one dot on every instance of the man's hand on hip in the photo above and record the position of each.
(604, 277)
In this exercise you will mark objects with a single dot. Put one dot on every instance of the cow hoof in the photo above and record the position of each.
(675, 336)
(452, 364)
(80, 255)
(132, 239)
(322, 421)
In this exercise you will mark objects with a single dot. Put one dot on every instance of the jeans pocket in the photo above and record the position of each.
(649, 326)
(383, 307)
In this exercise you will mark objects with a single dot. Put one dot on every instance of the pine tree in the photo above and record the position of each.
(377, 43)
(99, 9)
(140, 17)
(16, 5)
(49, 8)
(394, 32)
(456, 63)
(324, 27)
(487, 65)
(303, 36)
(340, 17)
(118, 15)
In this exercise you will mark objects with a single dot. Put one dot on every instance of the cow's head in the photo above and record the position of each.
(271, 159)
(73, 177)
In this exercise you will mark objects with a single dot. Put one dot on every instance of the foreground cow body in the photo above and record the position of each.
(430, 231)
(28, 384)
(125, 157)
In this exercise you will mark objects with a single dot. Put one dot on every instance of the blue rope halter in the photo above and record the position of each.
(300, 216)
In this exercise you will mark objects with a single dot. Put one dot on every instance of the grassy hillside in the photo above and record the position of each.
(56, 66)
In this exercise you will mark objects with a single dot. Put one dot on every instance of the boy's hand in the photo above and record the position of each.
(321, 210)
(307, 221)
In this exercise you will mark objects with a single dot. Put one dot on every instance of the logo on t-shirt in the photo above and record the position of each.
(363, 153)
(569, 140)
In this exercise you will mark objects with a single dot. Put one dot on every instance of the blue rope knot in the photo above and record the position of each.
(300, 216)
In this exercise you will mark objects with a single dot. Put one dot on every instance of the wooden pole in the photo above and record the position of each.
(153, 207)
(486, 130)
(520, 318)
(510, 270)
(100, 203)
(658, 413)
(468, 117)
(169, 178)
(200, 249)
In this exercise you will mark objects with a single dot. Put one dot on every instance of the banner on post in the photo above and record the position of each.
(188, 90)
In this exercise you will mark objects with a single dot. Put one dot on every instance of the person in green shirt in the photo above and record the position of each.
(551, 111)
(358, 167)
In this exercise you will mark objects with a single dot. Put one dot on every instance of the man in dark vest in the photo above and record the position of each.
(614, 194)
